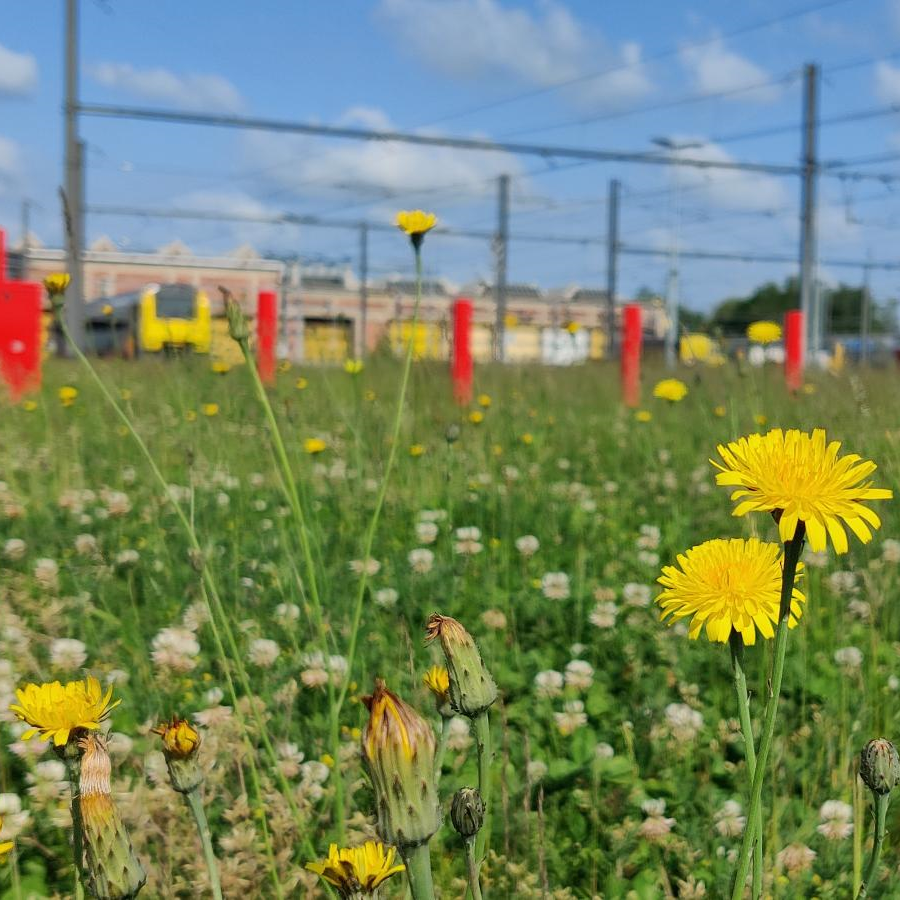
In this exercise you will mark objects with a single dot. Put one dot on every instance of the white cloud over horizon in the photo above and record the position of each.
(18, 72)
(479, 38)
(715, 69)
(192, 90)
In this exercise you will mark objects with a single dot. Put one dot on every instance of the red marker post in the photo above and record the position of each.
(20, 331)
(793, 349)
(631, 355)
(266, 335)
(461, 368)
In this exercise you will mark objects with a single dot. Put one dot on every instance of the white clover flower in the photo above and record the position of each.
(432, 515)
(730, 819)
(14, 549)
(426, 532)
(494, 618)
(837, 820)
(683, 722)
(795, 858)
(849, 658)
(635, 594)
(555, 586)
(604, 750)
(287, 613)
(890, 550)
(263, 652)
(85, 545)
(458, 734)
(387, 597)
(579, 674)
(549, 683)
(127, 558)
(175, 649)
(527, 545)
(421, 560)
(535, 771)
(365, 566)
(571, 718)
(468, 541)
(648, 538)
(46, 574)
(67, 654)
(603, 615)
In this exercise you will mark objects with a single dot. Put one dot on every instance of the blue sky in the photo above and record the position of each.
(705, 72)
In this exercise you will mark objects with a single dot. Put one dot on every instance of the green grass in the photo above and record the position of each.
(584, 483)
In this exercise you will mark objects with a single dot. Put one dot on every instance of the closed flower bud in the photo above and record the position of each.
(398, 747)
(472, 689)
(467, 812)
(180, 745)
(111, 869)
(437, 680)
(452, 433)
(879, 766)
(237, 322)
(55, 285)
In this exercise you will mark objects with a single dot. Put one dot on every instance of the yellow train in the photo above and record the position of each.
(157, 318)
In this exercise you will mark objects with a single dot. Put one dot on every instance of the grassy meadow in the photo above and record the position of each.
(619, 764)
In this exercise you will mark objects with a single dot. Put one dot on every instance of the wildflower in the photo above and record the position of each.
(670, 389)
(437, 680)
(386, 597)
(484, 400)
(730, 585)
(890, 551)
(29, 405)
(287, 613)
(263, 653)
(426, 532)
(353, 366)
(468, 541)
(55, 711)
(181, 742)
(555, 585)
(210, 409)
(398, 747)
(764, 332)
(850, 659)
(467, 812)
(459, 738)
(656, 826)
(494, 618)
(527, 545)
(548, 683)
(416, 450)
(5, 846)
(730, 820)
(67, 395)
(719, 412)
(220, 367)
(879, 766)
(837, 820)
(573, 327)
(527, 439)
(684, 722)
(357, 870)
(472, 689)
(416, 224)
(643, 415)
(67, 653)
(175, 649)
(14, 548)
(571, 718)
(579, 674)
(301, 383)
(56, 283)
(368, 566)
(603, 615)
(800, 475)
(476, 416)
(795, 858)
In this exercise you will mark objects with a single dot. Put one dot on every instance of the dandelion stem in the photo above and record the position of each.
(418, 871)
(195, 802)
(792, 550)
(736, 643)
(881, 807)
(73, 770)
(472, 869)
(442, 746)
(482, 725)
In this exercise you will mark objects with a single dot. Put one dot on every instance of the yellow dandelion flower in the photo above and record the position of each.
(107, 309)
(190, 415)
(353, 366)
(210, 409)
(670, 389)
(327, 760)
(314, 445)
(284, 366)
(764, 332)
(497, 450)
(484, 400)
(720, 411)
(220, 367)
(510, 320)
(809, 389)
(29, 406)
(122, 430)
(370, 396)
(416, 450)
(67, 395)
(355, 870)
(125, 394)
(437, 680)
(728, 586)
(301, 383)
(180, 739)
(801, 476)
(643, 415)
(476, 417)
(527, 439)
(416, 224)
(760, 420)
(56, 284)
(573, 327)
(5, 846)
(55, 710)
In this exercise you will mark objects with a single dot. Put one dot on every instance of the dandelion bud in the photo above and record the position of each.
(180, 745)
(237, 322)
(398, 746)
(879, 766)
(55, 285)
(437, 680)
(472, 689)
(451, 435)
(111, 869)
(467, 812)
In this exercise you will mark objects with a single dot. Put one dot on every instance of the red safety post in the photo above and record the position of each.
(20, 331)
(461, 367)
(793, 349)
(631, 354)
(266, 335)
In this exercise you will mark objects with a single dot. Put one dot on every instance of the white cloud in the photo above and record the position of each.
(715, 69)
(191, 91)
(386, 169)
(9, 159)
(18, 72)
(479, 38)
(887, 82)
(728, 188)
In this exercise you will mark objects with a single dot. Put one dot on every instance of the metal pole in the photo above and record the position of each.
(612, 266)
(501, 243)
(808, 303)
(26, 216)
(671, 346)
(363, 286)
(865, 319)
(74, 183)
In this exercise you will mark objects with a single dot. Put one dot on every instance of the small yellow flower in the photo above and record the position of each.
(284, 366)
(416, 450)
(353, 366)
(573, 327)
(210, 409)
(801, 476)
(353, 870)
(416, 224)
(495, 543)
(760, 420)
(314, 445)
(497, 450)
(510, 320)
(67, 395)
(527, 438)
(720, 412)
(190, 415)
(5, 846)
(809, 389)
(125, 394)
(484, 400)
(122, 430)
(328, 760)
(301, 383)
(643, 415)
(437, 680)
(670, 389)
(764, 332)
(728, 585)
(56, 284)
(55, 710)
(107, 309)
(29, 405)
(476, 417)
(220, 367)
(180, 738)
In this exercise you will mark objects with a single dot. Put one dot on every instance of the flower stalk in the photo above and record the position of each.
(195, 802)
(418, 871)
(881, 806)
